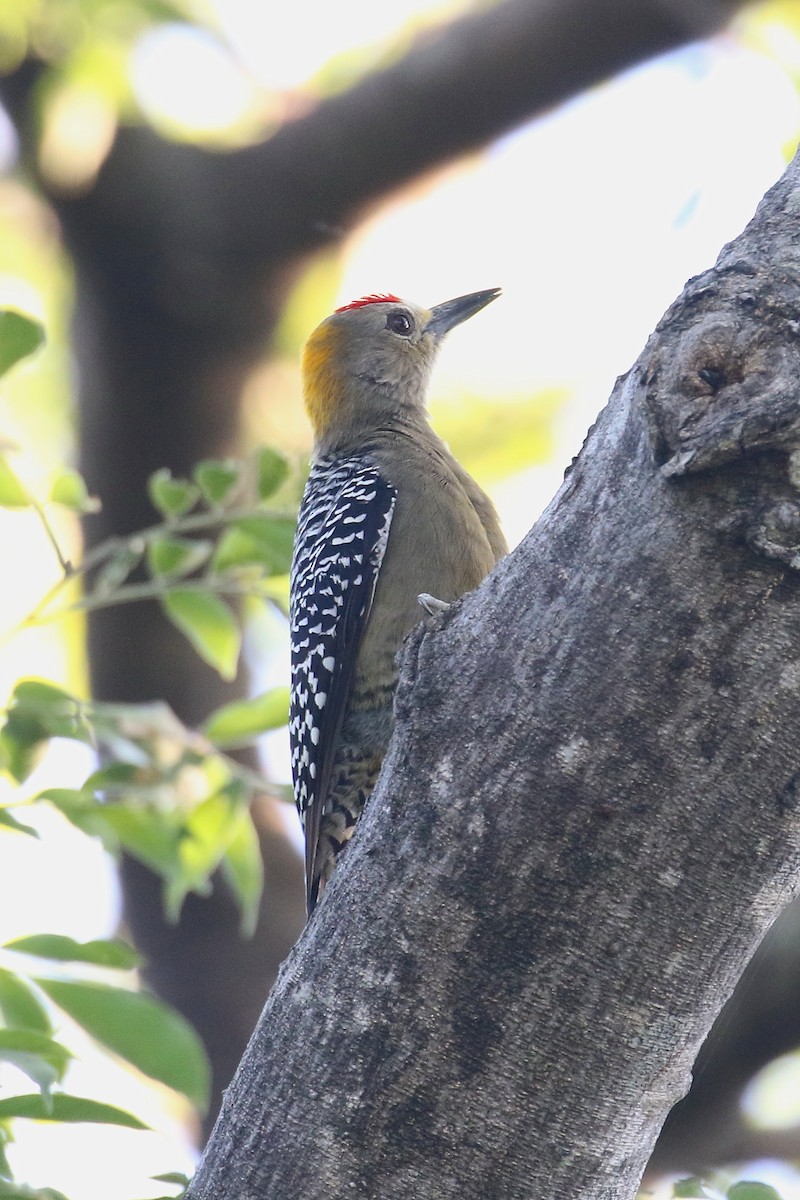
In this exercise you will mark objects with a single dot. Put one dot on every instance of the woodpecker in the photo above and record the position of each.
(389, 521)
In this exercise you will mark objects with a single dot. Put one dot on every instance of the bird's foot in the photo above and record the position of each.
(431, 605)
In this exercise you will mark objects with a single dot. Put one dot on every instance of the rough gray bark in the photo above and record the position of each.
(589, 813)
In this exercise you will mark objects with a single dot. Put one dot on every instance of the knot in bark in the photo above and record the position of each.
(722, 405)
(724, 388)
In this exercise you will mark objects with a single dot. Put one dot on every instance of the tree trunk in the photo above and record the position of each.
(588, 816)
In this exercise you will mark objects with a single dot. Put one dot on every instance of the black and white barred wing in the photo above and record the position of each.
(341, 539)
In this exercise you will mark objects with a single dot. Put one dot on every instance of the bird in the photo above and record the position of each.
(390, 527)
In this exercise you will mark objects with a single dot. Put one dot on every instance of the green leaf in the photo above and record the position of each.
(276, 535)
(150, 836)
(67, 1108)
(70, 802)
(176, 556)
(6, 1174)
(217, 478)
(138, 722)
(69, 488)
(235, 550)
(42, 1060)
(103, 952)
(256, 541)
(118, 568)
(140, 1029)
(20, 1006)
(41, 693)
(689, 1189)
(237, 723)
(111, 780)
(178, 1178)
(19, 754)
(205, 837)
(209, 625)
(38, 711)
(19, 337)
(13, 493)
(747, 1189)
(11, 1190)
(172, 497)
(8, 821)
(273, 470)
(243, 867)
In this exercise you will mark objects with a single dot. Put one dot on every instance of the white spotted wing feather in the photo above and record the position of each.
(341, 539)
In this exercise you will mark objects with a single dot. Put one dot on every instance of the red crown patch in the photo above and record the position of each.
(375, 298)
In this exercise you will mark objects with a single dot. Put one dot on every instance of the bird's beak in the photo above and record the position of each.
(446, 316)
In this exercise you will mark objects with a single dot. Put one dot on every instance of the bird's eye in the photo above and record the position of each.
(400, 322)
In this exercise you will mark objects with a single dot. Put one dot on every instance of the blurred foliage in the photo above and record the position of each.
(86, 46)
(772, 28)
(166, 795)
(84, 51)
(171, 797)
(497, 436)
(19, 337)
(64, 33)
(213, 541)
(309, 302)
(719, 1188)
(35, 276)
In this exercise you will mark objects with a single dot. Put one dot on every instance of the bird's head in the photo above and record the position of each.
(370, 361)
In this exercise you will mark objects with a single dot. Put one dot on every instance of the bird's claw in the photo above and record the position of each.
(431, 605)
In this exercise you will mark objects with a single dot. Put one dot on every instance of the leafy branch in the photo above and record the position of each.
(176, 799)
(168, 562)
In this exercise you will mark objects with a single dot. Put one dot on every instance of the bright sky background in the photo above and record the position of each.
(590, 219)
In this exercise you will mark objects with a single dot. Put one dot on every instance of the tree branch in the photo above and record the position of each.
(454, 91)
(588, 816)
